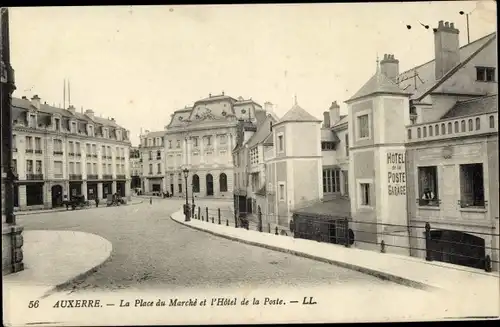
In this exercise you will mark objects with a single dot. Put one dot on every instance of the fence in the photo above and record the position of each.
(449, 246)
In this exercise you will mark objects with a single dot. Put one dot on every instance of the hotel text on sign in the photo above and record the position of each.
(396, 175)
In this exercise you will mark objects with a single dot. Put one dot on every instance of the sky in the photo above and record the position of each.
(138, 64)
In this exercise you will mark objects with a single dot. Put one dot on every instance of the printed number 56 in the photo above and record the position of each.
(33, 304)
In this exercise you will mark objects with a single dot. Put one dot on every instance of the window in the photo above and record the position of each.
(170, 144)
(89, 168)
(365, 194)
(208, 140)
(409, 134)
(492, 122)
(178, 144)
(94, 168)
(103, 168)
(14, 142)
(364, 131)
(430, 131)
(471, 185)
(485, 74)
(159, 168)
(58, 168)
(103, 151)
(195, 142)
(456, 127)
(419, 133)
(29, 166)
(436, 130)
(180, 187)
(110, 171)
(222, 139)
(14, 166)
(32, 121)
(73, 127)
(158, 155)
(150, 155)
(331, 180)
(94, 149)
(345, 176)
(57, 123)
(450, 128)
(462, 126)
(150, 169)
(428, 186)
(223, 182)
(29, 143)
(282, 191)
(78, 151)
(87, 149)
(478, 123)
(91, 130)
(327, 146)
(347, 145)
(280, 143)
(78, 168)
(471, 126)
(443, 129)
(71, 168)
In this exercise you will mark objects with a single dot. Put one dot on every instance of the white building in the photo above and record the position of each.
(61, 152)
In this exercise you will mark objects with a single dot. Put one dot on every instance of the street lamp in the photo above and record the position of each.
(186, 207)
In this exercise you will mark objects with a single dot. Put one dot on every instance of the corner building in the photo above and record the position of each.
(61, 152)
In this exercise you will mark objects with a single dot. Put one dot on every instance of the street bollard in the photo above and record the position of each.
(347, 241)
(212, 220)
(276, 231)
(199, 212)
(206, 210)
(218, 214)
(227, 222)
(428, 254)
(382, 246)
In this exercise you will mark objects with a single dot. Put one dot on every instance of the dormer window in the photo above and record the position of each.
(118, 135)
(90, 130)
(73, 127)
(32, 120)
(57, 124)
(105, 133)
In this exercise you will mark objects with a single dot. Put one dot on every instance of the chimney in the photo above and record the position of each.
(326, 119)
(334, 113)
(222, 92)
(446, 48)
(72, 109)
(35, 101)
(89, 113)
(209, 95)
(389, 66)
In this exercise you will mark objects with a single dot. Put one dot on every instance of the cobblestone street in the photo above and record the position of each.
(152, 251)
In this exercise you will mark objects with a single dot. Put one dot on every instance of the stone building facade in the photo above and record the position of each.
(61, 152)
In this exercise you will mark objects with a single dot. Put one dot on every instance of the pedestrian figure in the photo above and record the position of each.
(97, 202)
(151, 200)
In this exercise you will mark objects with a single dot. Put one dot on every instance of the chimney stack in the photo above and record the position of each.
(389, 66)
(326, 119)
(334, 113)
(35, 101)
(72, 109)
(89, 113)
(446, 48)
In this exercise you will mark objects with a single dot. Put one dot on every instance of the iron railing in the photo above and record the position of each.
(34, 177)
(455, 247)
(75, 177)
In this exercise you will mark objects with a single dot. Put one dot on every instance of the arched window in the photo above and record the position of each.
(450, 128)
(424, 131)
(430, 130)
(223, 182)
(196, 183)
(471, 127)
(478, 123)
(409, 134)
(457, 130)
(436, 130)
(419, 135)
(443, 129)
(492, 122)
(462, 124)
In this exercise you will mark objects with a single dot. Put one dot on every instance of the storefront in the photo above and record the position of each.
(91, 190)
(75, 188)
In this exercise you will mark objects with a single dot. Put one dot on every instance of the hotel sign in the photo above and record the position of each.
(396, 175)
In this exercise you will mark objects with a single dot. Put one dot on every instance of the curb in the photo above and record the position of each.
(379, 274)
(82, 275)
(28, 213)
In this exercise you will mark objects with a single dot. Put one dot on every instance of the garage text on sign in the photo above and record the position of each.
(396, 175)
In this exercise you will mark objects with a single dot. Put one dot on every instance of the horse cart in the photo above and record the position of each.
(77, 201)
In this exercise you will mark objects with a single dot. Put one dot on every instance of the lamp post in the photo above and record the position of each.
(186, 208)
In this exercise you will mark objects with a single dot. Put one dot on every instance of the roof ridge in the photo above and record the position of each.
(460, 48)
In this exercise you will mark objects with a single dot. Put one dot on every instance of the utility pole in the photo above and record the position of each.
(467, 22)
(8, 176)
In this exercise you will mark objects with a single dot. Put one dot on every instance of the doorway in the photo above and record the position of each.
(210, 185)
(57, 196)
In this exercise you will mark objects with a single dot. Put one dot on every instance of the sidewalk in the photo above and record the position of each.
(408, 271)
(52, 259)
(101, 205)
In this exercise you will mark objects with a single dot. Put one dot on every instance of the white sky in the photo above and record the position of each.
(138, 64)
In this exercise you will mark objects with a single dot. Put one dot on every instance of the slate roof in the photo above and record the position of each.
(426, 80)
(298, 114)
(263, 131)
(338, 207)
(269, 140)
(378, 84)
(154, 134)
(344, 119)
(473, 107)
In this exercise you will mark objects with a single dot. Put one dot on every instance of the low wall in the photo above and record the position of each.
(12, 253)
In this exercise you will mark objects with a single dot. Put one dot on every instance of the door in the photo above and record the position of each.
(210, 185)
(171, 189)
(57, 196)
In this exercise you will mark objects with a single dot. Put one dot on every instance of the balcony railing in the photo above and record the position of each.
(120, 176)
(58, 175)
(75, 177)
(92, 176)
(34, 177)
(38, 151)
(29, 150)
(58, 153)
(450, 128)
(107, 176)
